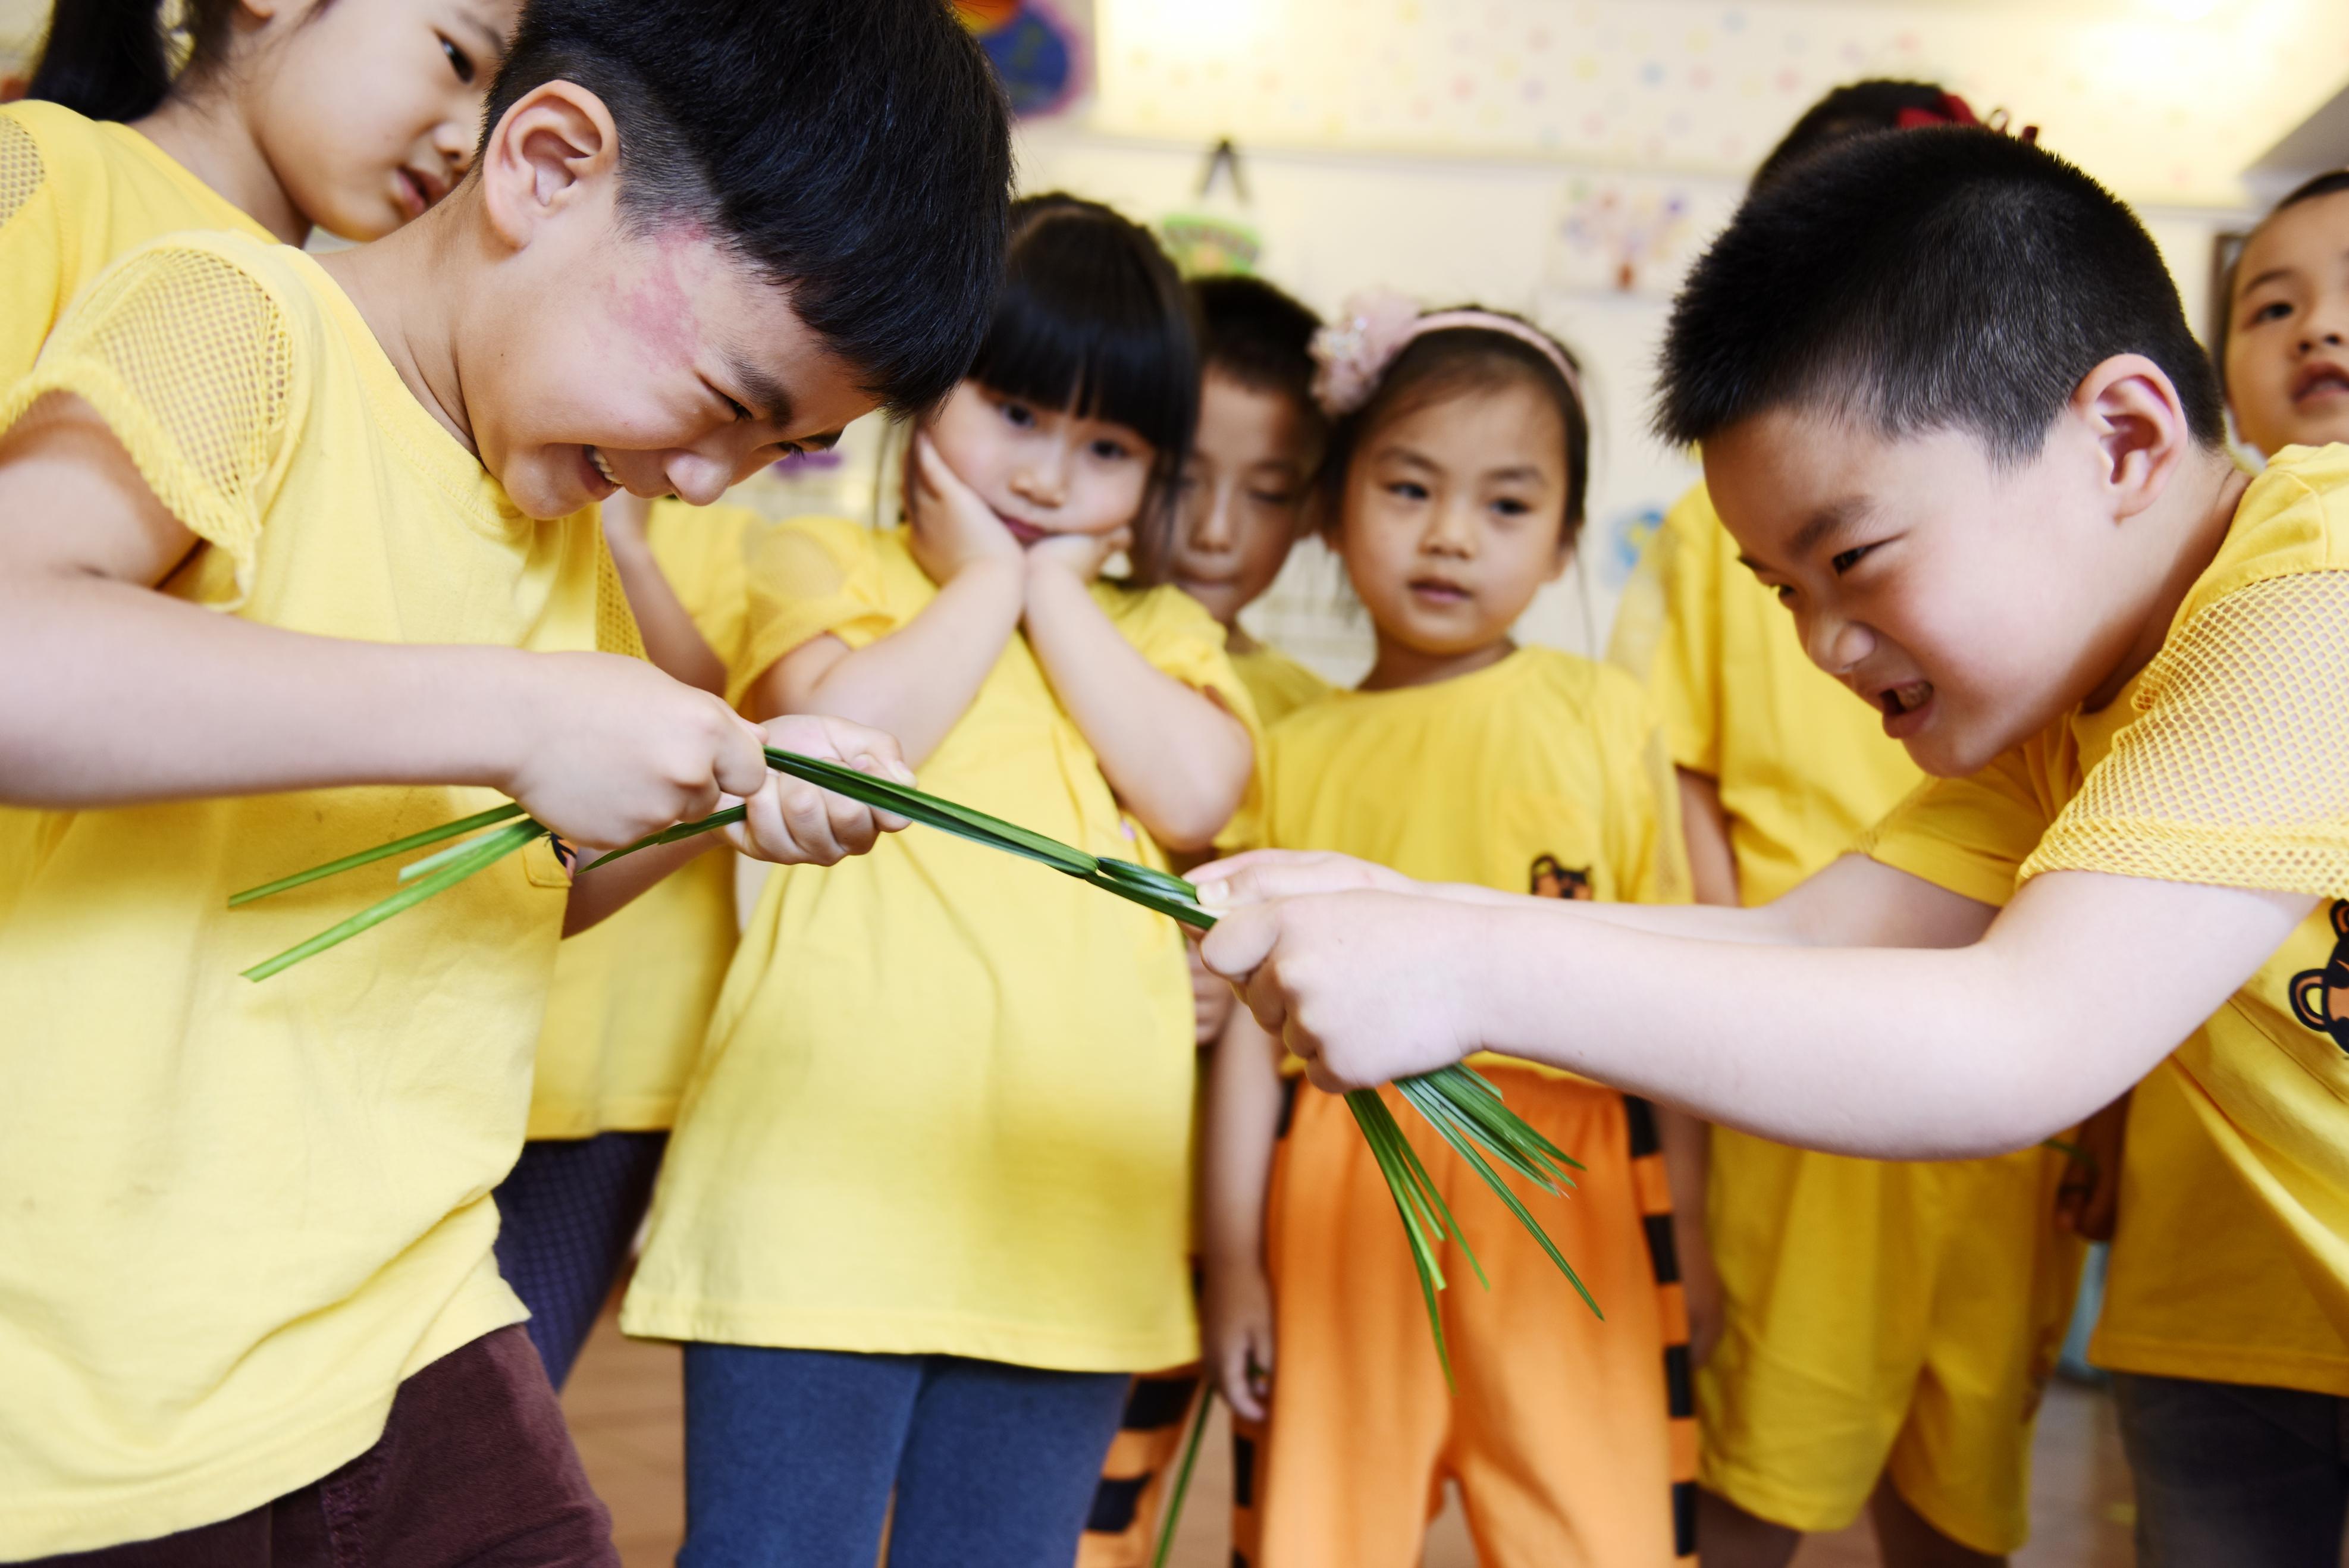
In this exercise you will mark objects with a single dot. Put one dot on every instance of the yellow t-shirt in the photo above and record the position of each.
(632, 995)
(75, 193)
(944, 1105)
(1544, 773)
(2217, 765)
(238, 1214)
(1279, 684)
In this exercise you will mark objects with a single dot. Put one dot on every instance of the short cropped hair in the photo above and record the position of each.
(1095, 317)
(858, 155)
(1937, 279)
(1261, 338)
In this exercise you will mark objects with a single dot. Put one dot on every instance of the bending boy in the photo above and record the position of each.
(298, 555)
(1951, 411)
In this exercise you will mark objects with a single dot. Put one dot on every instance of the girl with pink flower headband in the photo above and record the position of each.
(1454, 490)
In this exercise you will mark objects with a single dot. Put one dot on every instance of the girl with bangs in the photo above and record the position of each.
(925, 1209)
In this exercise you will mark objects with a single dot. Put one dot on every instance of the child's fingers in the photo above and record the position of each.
(1232, 1377)
(1240, 942)
(1261, 876)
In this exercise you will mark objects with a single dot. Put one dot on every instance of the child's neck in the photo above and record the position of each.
(1399, 666)
(206, 135)
(411, 288)
(1235, 638)
(2187, 524)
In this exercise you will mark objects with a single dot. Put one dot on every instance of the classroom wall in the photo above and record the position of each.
(1544, 236)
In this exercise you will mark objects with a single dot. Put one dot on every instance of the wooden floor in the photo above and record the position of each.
(624, 1407)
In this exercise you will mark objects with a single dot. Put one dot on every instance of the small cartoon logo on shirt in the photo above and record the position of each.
(2319, 998)
(1551, 880)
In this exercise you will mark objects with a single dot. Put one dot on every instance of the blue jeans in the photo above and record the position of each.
(566, 1213)
(791, 1458)
(2235, 1476)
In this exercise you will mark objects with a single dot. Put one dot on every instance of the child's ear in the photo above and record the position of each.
(2131, 410)
(556, 144)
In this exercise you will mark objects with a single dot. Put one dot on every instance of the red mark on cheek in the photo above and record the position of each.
(654, 300)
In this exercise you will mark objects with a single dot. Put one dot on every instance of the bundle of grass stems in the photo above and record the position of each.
(1465, 1110)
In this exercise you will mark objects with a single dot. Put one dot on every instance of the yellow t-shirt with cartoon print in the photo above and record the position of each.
(239, 1213)
(75, 193)
(944, 1105)
(2220, 764)
(633, 995)
(1544, 773)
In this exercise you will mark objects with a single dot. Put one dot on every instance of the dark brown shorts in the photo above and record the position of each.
(475, 1467)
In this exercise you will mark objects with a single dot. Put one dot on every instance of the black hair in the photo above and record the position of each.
(1093, 317)
(2331, 183)
(1855, 108)
(1456, 359)
(857, 154)
(1261, 338)
(1943, 278)
(111, 60)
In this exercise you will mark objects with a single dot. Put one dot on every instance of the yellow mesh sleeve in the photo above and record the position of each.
(21, 170)
(189, 362)
(615, 623)
(808, 577)
(2235, 771)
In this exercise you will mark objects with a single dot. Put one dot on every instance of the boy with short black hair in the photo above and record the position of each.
(1848, 1373)
(305, 552)
(1951, 411)
(1247, 488)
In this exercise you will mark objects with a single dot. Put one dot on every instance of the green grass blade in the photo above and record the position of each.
(1459, 1076)
(1379, 1132)
(1173, 1511)
(725, 819)
(909, 802)
(496, 847)
(381, 852)
(1477, 1118)
(1435, 1197)
(1454, 1132)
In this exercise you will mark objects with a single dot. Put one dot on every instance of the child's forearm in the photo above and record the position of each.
(917, 682)
(671, 639)
(117, 695)
(1243, 1122)
(2081, 985)
(1713, 864)
(1178, 759)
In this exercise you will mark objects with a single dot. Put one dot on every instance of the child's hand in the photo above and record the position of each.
(608, 750)
(1365, 987)
(1261, 876)
(954, 530)
(1081, 555)
(1211, 999)
(794, 822)
(1236, 1335)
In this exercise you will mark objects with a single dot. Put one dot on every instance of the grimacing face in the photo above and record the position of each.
(1043, 471)
(371, 109)
(1958, 597)
(1455, 518)
(650, 361)
(1240, 494)
(2287, 365)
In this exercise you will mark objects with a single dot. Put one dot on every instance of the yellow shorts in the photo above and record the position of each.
(1563, 1440)
(1882, 1319)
